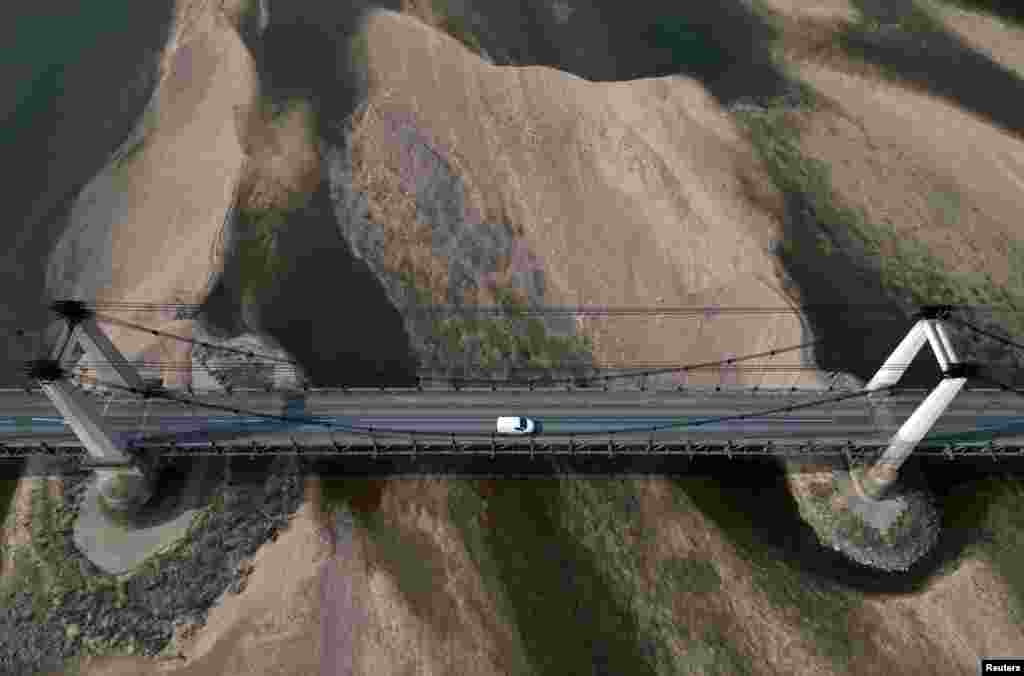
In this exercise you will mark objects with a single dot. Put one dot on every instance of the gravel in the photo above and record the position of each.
(153, 602)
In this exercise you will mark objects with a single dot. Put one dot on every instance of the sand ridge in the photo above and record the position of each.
(629, 193)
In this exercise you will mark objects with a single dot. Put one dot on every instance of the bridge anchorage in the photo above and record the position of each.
(868, 511)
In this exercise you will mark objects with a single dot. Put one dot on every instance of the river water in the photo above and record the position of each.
(76, 76)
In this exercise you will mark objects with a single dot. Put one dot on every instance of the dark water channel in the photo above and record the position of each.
(941, 62)
(750, 501)
(76, 77)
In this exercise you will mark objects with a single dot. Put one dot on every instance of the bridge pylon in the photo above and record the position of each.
(81, 330)
(930, 328)
(125, 487)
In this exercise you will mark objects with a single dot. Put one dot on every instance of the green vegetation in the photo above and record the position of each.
(947, 204)
(406, 555)
(821, 609)
(553, 545)
(841, 523)
(41, 566)
(44, 569)
(513, 338)
(600, 514)
(552, 586)
(408, 280)
(359, 53)
(992, 512)
(146, 126)
(457, 26)
(714, 654)
(908, 267)
(694, 575)
(7, 489)
(1008, 12)
(260, 264)
(919, 19)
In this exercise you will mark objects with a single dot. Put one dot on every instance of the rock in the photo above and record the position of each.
(87, 568)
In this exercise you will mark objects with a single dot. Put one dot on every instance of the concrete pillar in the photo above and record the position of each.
(938, 348)
(123, 488)
(111, 364)
(898, 362)
(85, 421)
(883, 474)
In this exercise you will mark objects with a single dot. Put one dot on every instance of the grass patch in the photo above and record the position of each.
(260, 264)
(411, 560)
(457, 26)
(1009, 12)
(919, 18)
(41, 566)
(694, 575)
(50, 524)
(994, 507)
(409, 281)
(362, 497)
(822, 610)
(572, 618)
(604, 516)
(513, 339)
(947, 204)
(359, 55)
(599, 514)
(714, 654)
(146, 127)
(8, 487)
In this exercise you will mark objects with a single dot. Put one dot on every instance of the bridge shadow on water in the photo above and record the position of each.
(176, 489)
(750, 501)
(328, 310)
(565, 606)
(845, 304)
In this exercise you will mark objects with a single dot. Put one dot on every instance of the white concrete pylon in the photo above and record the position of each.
(85, 421)
(109, 363)
(885, 472)
(123, 488)
(898, 362)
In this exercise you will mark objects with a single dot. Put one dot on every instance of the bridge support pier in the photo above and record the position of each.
(878, 479)
(124, 488)
(872, 514)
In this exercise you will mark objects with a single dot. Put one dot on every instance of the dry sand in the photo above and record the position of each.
(1002, 41)
(157, 217)
(948, 628)
(628, 193)
(271, 627)
(823, 10)
(955, 182)
(740, 609)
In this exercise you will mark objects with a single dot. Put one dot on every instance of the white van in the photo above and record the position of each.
(516, 425)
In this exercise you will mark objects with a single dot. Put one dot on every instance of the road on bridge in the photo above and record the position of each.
(31, 418)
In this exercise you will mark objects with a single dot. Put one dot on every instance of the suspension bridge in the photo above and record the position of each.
(93, 407)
